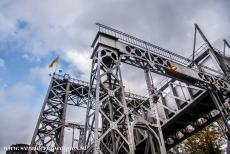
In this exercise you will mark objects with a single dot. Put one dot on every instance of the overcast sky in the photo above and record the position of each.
(32, 33)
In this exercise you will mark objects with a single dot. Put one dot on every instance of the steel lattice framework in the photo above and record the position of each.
(63, 91)
(121, 122)
(111, 48)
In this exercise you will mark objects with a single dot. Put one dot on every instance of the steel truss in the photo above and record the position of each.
(49, 132)
(119, 120)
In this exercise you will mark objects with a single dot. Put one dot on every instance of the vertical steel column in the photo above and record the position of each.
(90, 112)
(112, 129)
(153, 105)
(194, 47)
(97, 106)
(81, 137)
(63, 115)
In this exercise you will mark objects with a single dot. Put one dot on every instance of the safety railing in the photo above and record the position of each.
(143, 44)
(70, 79)
(204, 47)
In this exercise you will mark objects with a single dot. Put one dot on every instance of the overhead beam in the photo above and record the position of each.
(156, 60)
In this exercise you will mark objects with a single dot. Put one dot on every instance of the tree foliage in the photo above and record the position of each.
(210, 140)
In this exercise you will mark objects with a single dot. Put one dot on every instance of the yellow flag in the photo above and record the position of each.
(55, 61)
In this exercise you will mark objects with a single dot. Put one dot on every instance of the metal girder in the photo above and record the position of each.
(145, 59)
(156, 59)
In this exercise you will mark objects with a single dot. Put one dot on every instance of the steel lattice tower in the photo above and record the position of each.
(49, 131)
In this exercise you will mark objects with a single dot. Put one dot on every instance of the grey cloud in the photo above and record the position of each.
(167, 23)
(69, 25)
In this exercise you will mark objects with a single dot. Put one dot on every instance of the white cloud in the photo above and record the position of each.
(51, 27)
(6, 28)
(79, 60)
(17, 125)
(133, 80)
(17, 119)
(16, 94)
(40, 75)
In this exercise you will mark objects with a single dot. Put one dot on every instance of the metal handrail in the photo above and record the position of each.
(143, 44)
(70, 79)
(199, 51)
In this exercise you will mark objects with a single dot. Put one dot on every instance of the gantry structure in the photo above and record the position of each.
(194, 93)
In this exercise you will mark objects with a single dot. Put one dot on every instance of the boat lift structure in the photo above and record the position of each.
(191, 96)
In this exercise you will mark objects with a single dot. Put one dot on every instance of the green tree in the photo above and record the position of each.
(207, 141)
(210, 140)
